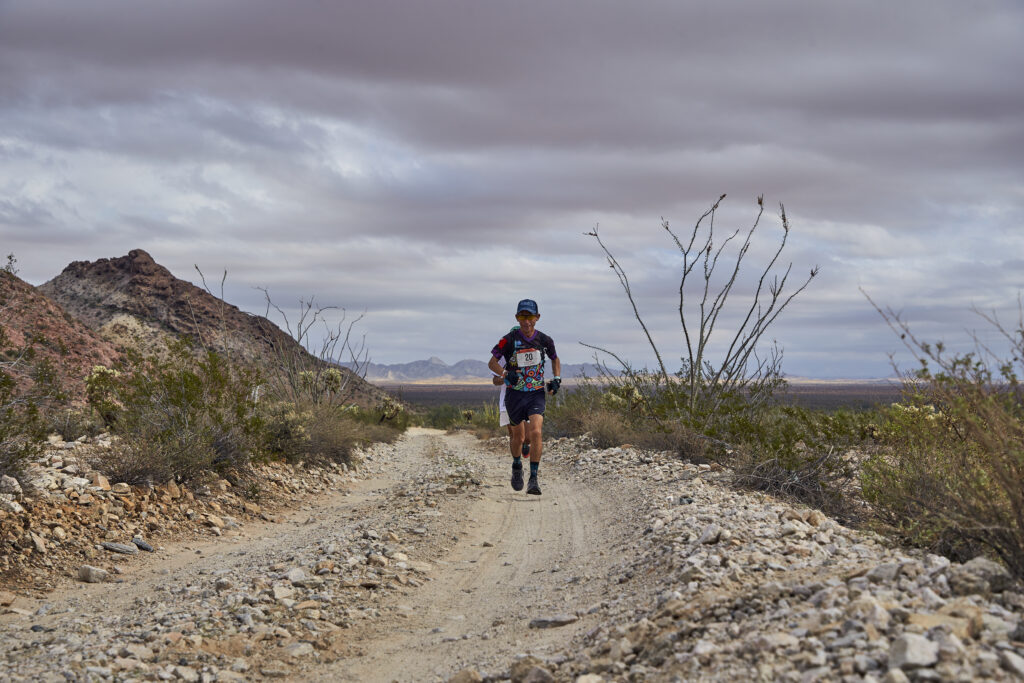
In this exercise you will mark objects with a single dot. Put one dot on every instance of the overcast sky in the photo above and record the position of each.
(432, 163)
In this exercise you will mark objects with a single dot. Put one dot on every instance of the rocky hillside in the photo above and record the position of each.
(29, 316)
(133, 299)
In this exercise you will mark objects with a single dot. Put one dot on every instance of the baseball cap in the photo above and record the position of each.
(528, 305)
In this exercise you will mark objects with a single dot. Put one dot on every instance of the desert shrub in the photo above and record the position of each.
(178, 415)
(951, 477)
(285, 434)
(73, 423)
(443, 416)
(325, 433)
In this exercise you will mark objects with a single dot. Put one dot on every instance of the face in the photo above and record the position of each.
(527, 321)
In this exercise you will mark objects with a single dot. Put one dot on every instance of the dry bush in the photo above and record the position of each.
(952, 478)
(177, 416)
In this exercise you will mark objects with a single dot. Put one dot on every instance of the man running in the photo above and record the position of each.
(525, 352)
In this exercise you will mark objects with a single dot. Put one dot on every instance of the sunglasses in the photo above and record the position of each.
(526, 316)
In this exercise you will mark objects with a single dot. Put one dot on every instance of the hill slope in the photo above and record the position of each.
(133, 299)
(28, 315)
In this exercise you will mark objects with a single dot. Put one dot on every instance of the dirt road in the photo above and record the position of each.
(434, 562)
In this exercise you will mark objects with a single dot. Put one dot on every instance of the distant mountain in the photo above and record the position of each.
(436, 370)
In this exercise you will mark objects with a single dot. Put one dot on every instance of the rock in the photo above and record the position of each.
(141, 544)
(10, 486)
(137, 651)
(884, 573)
(537, 674)
(710, 535)
(295, 575)
(776, 641)
(214, 521)
(912, 651)
(553, 621)
(895, 676)
(222, 584)
(8, 504)
(121, 548)
(91, 574)
(589, 678)
(187, 674)
(121, 488)
(298, 650)
(467, 676)
(979, 576)
(274, 669)
(38, 543)
(283, 592)
(1012, 662)
(528, 670)
(99, 481)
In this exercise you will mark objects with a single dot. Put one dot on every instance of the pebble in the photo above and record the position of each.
(91, 574)
(553, 621)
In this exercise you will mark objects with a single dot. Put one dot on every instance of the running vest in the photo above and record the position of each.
(528, 358)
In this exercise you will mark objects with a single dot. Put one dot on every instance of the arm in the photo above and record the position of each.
(556, 365)
(495, 367)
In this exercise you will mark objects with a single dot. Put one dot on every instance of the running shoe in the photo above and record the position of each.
(517, 477)
(533, 488)
(526, 448)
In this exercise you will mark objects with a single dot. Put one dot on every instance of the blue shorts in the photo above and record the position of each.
(522, 404)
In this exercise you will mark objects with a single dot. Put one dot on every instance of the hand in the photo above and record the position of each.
(511, 377)
(554, 385)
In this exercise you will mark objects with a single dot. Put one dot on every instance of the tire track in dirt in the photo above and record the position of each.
(517, 557)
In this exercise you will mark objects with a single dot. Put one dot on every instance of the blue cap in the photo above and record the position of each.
(528, 305)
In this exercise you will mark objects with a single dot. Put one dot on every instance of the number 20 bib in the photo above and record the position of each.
(531, 364)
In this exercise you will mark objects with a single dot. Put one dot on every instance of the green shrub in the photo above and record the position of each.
(178, 415)
(951, 475)
(73, 423)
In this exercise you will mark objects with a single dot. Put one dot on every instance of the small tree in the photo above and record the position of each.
(324, 363)
(705, 383)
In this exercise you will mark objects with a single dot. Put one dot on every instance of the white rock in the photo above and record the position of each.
(91, 574)
(710, 534)
(10, 485)
(912, 651)
(1012, 662)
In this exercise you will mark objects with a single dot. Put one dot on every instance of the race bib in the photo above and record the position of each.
(526, 358)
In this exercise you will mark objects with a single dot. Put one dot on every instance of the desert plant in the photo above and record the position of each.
(72, 423)
(178, 416)
(324, 364)
(953, 476)
(740, 378)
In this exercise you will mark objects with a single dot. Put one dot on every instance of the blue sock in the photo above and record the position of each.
(534, 466)
(517, 462)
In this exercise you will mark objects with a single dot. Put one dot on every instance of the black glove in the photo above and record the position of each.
(554, 385)
(512, 377)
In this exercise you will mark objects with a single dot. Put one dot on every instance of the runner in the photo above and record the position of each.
(524, 352)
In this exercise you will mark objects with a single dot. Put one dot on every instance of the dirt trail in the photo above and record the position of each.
(517, 558)
(499, 559)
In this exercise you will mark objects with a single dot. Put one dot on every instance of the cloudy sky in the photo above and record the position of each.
(433, 162)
